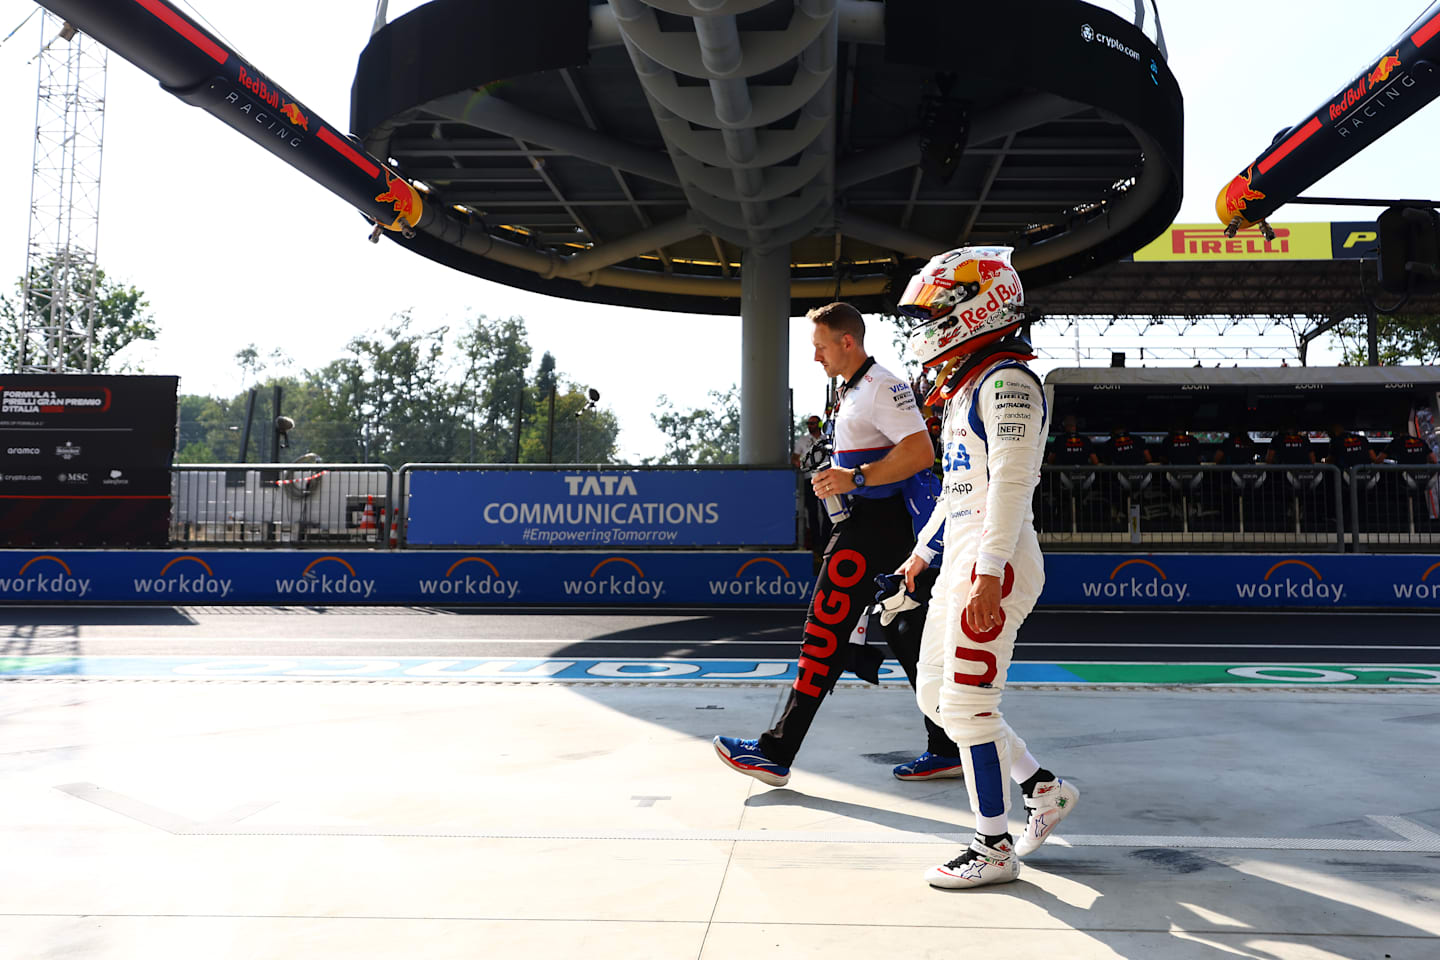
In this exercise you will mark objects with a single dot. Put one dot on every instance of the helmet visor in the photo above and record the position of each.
(925, 299)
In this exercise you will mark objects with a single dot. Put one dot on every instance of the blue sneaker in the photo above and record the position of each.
(930, 766)
(745, 756)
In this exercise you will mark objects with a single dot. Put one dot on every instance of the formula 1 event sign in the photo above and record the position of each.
(588, 509)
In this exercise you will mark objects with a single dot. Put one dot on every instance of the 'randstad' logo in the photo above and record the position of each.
(204, 584)
(617, 583)
(1135, 585)
(460, 583)
(1422, 590)
(319, 583)
(1283, 587)
(45, 582)
(762, 582)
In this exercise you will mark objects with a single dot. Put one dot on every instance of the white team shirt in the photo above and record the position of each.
(874, 415)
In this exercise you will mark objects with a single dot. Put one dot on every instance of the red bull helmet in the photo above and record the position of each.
(960, 301)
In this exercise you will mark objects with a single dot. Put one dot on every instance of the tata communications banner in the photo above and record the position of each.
(1324, 581)
(591, 508)
(443, 578)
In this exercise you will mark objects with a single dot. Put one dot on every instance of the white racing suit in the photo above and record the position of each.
(993, 438)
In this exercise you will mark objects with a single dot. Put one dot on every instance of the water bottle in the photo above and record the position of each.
(837, 505)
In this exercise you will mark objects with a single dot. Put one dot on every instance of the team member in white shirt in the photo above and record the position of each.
(966, 308)
(881, 444)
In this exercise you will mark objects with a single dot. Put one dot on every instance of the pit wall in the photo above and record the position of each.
(778, 579)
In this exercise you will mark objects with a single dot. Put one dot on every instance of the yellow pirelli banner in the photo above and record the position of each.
(1195, 241)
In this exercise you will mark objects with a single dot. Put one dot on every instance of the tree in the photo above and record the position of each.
(1401, 338)
(495, 356)
(121, 317)
(708, 434)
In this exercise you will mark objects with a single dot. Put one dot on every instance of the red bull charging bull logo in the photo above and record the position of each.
(295, 116)
(1236, 195)
(405, 201)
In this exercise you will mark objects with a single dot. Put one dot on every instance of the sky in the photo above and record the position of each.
(233, 247)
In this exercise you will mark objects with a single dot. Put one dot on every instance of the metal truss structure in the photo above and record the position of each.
(59, 289)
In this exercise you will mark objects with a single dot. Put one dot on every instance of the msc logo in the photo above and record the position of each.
(1424, 590)
(762, 577)
(481, 580)
(202, 583)
(1146, 581)
(45, 581)
(1283, 582)
(624, 579)
(328, 581)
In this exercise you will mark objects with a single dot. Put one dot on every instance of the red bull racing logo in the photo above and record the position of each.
(404, 200)
(295, 116)
(1236, 195)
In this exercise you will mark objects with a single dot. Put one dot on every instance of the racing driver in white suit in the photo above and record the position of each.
(965, 310)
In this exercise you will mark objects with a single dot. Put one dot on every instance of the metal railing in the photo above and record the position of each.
(1193, 508)
(1394, 506)
(281, 504)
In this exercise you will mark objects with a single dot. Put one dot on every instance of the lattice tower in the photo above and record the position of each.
(59, 288)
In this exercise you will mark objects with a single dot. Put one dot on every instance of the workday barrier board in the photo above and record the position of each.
(684, 578)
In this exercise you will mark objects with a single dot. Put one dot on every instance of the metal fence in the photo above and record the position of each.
(1394, 507)
(1201, 508)
(281, 504)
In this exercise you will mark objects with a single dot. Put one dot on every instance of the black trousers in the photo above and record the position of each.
(903, 638)
(876, 539)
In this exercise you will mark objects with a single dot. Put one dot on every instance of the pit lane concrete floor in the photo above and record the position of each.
(247, 819)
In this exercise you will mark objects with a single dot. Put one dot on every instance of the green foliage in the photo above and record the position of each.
(1400, 339)
(708, 434)
(401, 395)
(121, 317)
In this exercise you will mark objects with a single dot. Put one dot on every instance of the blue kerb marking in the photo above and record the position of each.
(453, 668)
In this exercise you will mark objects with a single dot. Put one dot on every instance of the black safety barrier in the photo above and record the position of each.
(1393, 507)
(1191, 508)
(282, 505)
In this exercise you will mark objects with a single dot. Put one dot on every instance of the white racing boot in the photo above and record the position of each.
(1051, 803)
(978, 865)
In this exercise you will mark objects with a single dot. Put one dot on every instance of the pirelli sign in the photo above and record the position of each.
(1199, 242)
(1203, 242)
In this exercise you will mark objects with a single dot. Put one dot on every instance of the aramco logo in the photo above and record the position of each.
(471, 577)
(1144, 581)
(616, 578)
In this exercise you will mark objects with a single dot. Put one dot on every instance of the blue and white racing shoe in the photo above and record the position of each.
(930, 766)
(745, 757)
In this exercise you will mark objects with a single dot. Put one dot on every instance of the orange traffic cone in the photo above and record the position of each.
(367, 519)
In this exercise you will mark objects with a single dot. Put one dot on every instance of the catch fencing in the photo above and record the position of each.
(1209, 507)
(282, 505)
